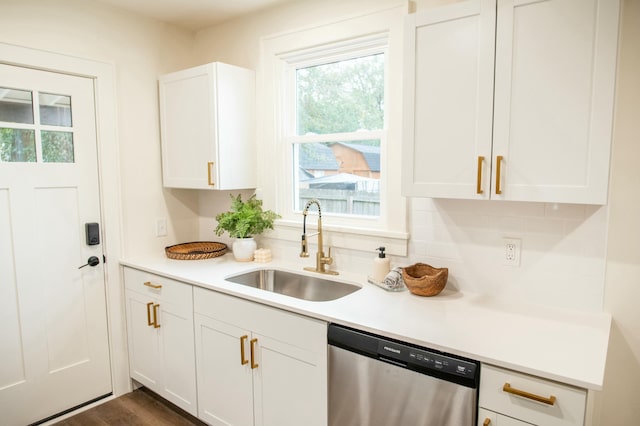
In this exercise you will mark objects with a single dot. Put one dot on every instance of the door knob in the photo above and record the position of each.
(92, 261)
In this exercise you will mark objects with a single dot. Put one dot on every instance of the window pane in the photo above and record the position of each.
(55, 110)
(57, 147)
(344, 96)
(344, 176)
(17, 145)
(16, 106)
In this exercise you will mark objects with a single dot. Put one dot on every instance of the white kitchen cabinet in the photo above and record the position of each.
(542, 131)
(258, 365)
(160, 336)
(509, 398)
(207, 116)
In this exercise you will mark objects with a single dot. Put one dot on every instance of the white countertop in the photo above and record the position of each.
(569, 347)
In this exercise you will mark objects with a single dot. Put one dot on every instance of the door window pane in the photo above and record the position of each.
(57, 147)
(344, 176)
(340, 97)
(55, 110)
(17, 145)
(16, 106)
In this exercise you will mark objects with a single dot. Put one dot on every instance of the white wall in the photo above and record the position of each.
(620, 400)
(140, 49)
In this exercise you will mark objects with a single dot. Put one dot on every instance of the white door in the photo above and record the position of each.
(53, 325)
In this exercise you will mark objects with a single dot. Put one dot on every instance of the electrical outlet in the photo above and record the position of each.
(161, 227)
(511, 251)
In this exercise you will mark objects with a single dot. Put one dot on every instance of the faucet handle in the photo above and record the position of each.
(328, 260)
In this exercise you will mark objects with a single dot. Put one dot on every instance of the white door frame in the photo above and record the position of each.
(109, 177)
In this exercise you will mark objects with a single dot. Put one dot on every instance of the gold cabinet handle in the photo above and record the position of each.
(150, 284)
(479, 179)
(254, 364)
(486, 422)
(149, 322)
(551, 400)
(209, 166)
(499, 159)
(243, 339)
(155, 316)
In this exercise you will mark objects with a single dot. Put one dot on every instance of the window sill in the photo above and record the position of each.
(347, 237)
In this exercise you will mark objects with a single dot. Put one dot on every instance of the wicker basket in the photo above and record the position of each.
(425, 280)
(196, 250)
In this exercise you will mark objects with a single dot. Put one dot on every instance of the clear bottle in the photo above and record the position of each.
(381, 265)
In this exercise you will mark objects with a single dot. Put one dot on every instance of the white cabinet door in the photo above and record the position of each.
(144, 342)
(554, 89)
(290, 384)
(161, 337)
(208, 127)
(224, 376)
(543, 133)
(449, 101)
(258, 365)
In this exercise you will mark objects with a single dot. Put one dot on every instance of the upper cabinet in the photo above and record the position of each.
(207, 116)
(510, 100)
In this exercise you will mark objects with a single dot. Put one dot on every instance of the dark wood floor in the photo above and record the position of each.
(140, 408)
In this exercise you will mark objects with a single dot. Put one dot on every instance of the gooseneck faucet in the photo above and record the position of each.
(321, 259)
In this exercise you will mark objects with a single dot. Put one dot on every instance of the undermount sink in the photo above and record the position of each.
(300, 286)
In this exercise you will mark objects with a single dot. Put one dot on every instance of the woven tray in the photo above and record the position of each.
(196, 250)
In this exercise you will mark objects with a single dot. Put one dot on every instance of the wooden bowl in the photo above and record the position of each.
(425, 280)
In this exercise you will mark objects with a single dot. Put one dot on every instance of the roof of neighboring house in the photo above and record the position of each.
(303, 174)
(370, 153)
(315, 156)
(340, 177)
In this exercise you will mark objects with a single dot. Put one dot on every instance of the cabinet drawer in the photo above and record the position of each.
(157, 287)
(567, 408)
(305, 333)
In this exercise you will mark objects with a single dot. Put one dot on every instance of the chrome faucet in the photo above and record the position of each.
(321, 259)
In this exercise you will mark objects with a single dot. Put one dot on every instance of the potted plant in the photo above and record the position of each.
(242, 222)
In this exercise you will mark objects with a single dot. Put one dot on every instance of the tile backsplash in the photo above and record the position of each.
(562, 258)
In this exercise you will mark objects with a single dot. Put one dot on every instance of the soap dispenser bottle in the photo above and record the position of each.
(381, 265)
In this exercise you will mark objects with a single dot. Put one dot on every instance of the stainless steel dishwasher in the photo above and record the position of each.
(376, 381)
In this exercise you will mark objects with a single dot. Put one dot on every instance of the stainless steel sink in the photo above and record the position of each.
(300, 286)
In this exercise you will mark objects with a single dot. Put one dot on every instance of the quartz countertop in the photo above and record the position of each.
(566, 346)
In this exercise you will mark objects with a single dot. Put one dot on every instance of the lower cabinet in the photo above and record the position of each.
(160, 336)
(509, 398)
(258, 365)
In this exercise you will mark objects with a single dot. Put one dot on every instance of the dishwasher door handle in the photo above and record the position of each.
(392, 361)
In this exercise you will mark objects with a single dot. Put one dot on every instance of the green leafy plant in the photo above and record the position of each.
(245, 219)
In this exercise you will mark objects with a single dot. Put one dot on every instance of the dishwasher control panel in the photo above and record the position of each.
(406, 355)
(422, 359)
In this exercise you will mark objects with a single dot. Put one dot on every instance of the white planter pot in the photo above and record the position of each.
(243, 249)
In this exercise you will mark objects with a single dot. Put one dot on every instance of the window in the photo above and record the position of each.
(339, 124)
(27, 137)
(329, 127)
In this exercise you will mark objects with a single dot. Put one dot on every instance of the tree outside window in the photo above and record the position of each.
(339, 128)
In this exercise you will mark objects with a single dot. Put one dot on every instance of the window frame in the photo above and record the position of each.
(275, 179)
